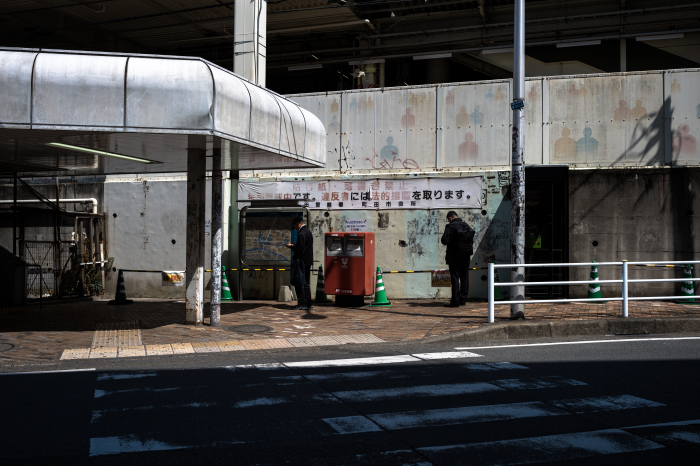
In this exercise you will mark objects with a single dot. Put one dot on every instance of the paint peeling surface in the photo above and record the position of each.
(605, 403)
(452, 416)
(533, 383)
(421, 391)
(543, 449)
(114, 445)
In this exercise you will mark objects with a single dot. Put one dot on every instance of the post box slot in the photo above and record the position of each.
(334, 246)
(355, 247)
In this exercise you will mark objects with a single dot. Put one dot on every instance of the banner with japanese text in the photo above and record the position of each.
(418, 193)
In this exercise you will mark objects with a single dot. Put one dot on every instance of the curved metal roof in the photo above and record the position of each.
(145, 106)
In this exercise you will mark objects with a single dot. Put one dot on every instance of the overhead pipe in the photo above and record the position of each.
(60, 201)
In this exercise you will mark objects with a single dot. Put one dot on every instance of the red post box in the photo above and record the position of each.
(349, 267)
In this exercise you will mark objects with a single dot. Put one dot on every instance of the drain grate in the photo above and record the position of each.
(6, 347)
(249, 328)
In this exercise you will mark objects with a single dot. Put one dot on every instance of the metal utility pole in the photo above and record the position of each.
(217, 214)
(517, 187)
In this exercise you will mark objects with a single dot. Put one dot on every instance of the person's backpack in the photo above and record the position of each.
(465, 241)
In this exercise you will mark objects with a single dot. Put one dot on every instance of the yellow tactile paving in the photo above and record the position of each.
(76, 353)
(131, 351)
(277, 343)
(182, 348)
(232, 348)
(210, 348)
(106, 352)
(158, 350)
(227, 343)
(254, 344)
(214, 346)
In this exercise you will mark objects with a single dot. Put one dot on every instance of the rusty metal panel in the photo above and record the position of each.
(16, 84)
(359, 115)
(185, 102)
(533, 121)
(326, 108)
(683, 91)
(613, 120)
(231, 104)
(66, 88)
(476, 125)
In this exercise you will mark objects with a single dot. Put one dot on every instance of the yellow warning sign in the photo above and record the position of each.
(173, 278)
(440, 278)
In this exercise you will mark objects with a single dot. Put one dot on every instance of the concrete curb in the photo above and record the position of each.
(519, 330)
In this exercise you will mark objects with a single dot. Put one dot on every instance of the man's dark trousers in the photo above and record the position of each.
(304, 292)
(460, 282)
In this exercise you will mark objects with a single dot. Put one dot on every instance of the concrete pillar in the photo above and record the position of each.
(438, 70)
(623, 55)
(249, 40)
(196, 190)
(217, 206)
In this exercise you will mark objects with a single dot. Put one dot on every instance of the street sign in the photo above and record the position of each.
(516, 104)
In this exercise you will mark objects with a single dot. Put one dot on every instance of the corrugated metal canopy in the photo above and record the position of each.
(144, 107)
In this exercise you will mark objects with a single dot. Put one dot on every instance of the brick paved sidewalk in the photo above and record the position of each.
(44, 335)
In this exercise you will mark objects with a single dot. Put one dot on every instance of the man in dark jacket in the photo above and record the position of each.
(456, 237)
(304, 251)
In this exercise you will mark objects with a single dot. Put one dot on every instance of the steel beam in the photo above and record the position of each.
(196, 190)
(217, 214)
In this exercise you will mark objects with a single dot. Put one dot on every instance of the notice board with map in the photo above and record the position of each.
(266, 235)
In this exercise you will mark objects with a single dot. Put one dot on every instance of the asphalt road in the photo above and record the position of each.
(614, 401)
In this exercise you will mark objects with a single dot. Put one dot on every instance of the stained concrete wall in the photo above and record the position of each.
(410, 240)
(146, 230)
(634, 215)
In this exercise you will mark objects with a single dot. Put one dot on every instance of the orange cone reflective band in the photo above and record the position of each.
(379, 292)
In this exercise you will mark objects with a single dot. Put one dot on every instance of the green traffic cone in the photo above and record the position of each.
(379, 293)
(225, 290)
(120, 294)
(687, 288)
(594, 288)
(497, 292)
(321, 288)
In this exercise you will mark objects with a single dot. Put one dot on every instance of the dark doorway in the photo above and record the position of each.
(546, 229)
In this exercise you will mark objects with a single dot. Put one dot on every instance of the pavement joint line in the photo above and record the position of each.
(201, 347)
(576, 342)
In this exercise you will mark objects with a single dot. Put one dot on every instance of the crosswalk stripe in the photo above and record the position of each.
(114, 445)
(417, 391)
(354, 361)
(539, 382)
(494, 366)
(604, 403)
(363, 361)
(405, 374)
(447, 355)
(444, 417)
(543, 449)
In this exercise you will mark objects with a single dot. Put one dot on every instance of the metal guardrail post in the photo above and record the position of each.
(624, 290)
(491, 293)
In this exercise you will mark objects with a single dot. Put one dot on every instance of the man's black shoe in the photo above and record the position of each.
(451, 305)
(303, 308)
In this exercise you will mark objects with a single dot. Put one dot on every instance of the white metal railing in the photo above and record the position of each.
(624, 280)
